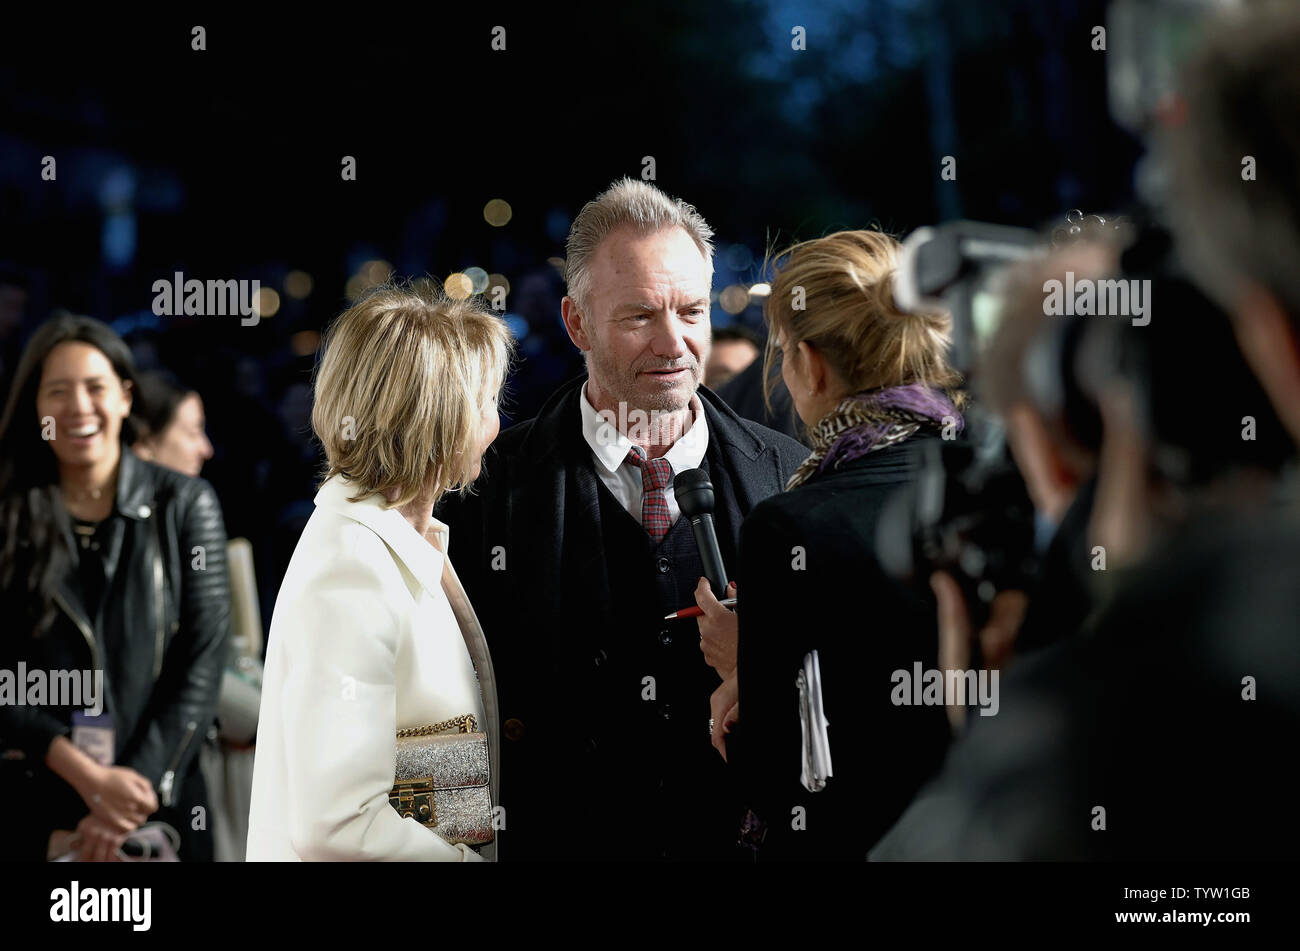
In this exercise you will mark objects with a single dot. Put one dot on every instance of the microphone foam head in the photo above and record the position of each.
(694, 492)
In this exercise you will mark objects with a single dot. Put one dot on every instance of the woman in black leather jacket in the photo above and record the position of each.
(110, 567)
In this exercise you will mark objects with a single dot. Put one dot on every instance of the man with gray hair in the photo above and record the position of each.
(572, 551)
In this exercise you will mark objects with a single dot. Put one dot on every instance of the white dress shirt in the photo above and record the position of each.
(609, 449)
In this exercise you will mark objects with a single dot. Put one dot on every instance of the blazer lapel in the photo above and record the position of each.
(754, 468)
(476, 644)
(587, 574)
(537, 507)
(557, 508)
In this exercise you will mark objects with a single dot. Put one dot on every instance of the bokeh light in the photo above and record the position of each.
(478, 279)
(376, 272)
(356, 286)
(734, 299)
(304, 343)
(298, 284)
(497, 213)
(267, 303)
(458, 286)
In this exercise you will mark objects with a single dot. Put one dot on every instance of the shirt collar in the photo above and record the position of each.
(610, 447)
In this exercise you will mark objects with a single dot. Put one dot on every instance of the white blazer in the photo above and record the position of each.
(366, 639)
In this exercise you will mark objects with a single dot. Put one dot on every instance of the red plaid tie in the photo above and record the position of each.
(655, 476)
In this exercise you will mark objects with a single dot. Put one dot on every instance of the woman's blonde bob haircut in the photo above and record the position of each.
(837, 294)
(399, 390)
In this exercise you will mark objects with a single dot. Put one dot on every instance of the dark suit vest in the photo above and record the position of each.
(653, 676)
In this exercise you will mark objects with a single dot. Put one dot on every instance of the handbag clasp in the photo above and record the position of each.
(413, 799)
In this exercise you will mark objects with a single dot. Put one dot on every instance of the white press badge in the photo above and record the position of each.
(93, 735)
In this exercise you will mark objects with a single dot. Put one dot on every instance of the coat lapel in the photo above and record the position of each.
(752, 468)
(476, 644)
(555, 502)
(134, 503)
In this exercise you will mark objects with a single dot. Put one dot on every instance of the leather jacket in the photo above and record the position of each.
(160, 636)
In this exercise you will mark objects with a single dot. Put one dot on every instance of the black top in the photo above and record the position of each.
(90, 564)
(809, 580)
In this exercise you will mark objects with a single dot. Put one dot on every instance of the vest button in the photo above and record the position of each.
(664, 565)
(665, 638)
(513, 729)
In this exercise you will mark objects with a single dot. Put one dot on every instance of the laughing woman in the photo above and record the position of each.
(100, 571)
(372, 632)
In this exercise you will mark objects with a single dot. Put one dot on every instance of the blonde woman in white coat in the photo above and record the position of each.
(372, 632)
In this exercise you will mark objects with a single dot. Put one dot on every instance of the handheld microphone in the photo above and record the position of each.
(694, 493)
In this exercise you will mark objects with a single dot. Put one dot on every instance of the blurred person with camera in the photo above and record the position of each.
(874, 388)
(1029, 379)
(109, 565)
(1157, 735)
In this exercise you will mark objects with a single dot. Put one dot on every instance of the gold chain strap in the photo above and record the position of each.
(466, 723)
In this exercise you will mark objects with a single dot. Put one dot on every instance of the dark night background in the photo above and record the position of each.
(226, 164)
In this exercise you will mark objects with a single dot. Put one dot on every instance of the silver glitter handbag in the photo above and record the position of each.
(441, 780)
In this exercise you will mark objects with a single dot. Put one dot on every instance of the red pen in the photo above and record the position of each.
(697, 611)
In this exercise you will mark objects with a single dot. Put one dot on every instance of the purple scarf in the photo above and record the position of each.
(865, 422)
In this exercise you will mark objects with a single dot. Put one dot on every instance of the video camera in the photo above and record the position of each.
(968, 512)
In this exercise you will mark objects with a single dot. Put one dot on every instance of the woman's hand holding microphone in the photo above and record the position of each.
(719, 637)
(718, 629)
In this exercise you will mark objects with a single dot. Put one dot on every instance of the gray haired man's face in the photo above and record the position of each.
(646, 331)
